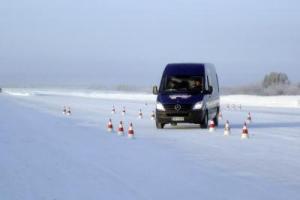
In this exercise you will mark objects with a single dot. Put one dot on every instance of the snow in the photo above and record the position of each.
(236, 100)
(47, 155)
(80, 93)
(263, 101)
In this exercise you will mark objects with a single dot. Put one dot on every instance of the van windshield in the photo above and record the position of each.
(183, 84)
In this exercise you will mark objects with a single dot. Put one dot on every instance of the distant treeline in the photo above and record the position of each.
(272, 84)
(123, 88)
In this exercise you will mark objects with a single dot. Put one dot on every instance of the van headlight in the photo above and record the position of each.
(198, 105)
(160, 107)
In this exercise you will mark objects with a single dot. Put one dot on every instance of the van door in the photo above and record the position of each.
(212, 99)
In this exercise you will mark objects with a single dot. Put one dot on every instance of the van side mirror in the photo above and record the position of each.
(209, 90)
(155, 90)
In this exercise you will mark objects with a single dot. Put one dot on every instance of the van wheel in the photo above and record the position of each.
(159, 125)
(216, 119)
(204, 123)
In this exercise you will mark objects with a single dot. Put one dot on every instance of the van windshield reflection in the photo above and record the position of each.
(194, 84)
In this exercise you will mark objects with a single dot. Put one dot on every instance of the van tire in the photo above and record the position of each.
(216, 118)
(216, 121)
(159, 125)
(204, 123)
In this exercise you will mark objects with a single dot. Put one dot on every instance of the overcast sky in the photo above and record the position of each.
(130, 41)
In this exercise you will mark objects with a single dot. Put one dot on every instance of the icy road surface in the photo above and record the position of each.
(47, 155)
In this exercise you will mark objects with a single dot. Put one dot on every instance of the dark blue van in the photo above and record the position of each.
(188, 93)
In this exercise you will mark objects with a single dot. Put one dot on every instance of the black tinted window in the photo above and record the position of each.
(183, 83)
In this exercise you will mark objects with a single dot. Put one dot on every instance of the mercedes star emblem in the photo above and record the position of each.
(177, 107)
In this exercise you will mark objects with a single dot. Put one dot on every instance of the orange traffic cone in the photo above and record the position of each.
(140, 114)
(69, 111)
(121, 129)
(153, 116)
(249, 118)
(65, 110)
(124, 111)
(227, 128)
(113, 110)
(245, 133)
(110, 127)
(130, 131)
(212, 126)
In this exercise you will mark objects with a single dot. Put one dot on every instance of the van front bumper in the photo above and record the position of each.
(193, 116)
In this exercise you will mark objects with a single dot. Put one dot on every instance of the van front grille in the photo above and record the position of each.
(184, 108)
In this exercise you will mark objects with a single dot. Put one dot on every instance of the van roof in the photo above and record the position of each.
(195, 69)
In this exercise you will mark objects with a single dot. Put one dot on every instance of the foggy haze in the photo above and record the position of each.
(113, 42)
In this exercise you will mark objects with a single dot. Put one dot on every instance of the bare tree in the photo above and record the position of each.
(275, 79)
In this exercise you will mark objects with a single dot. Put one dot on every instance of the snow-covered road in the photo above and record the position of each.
(47, 155)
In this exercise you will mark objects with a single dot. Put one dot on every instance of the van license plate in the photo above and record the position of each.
(177, 119)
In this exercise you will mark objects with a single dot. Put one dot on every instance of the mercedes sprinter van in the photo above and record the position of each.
(188, 93)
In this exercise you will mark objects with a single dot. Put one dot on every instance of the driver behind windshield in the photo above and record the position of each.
(196, 85)
(177, 83)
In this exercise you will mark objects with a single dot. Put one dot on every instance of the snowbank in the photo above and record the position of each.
(244, 100)
(81, 93)
(262, 101)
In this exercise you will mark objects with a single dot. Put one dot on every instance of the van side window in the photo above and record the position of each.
(218, 82)
(207, 83)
